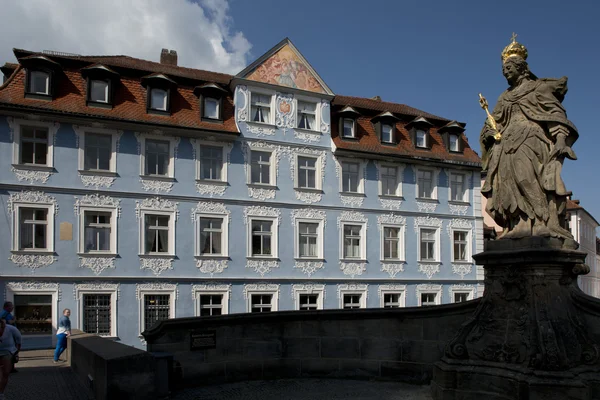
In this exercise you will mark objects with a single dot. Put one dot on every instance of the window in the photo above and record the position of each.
(34, 146)
(262, 238)
(261, 303)
(210, 304)
(388, 176)
(429, 299)
(461, 293)
(211, 299)
(392, 296)
(211, 236)
(156, 230)
(392, 300)
(99, 91)
(454, 143)
(387, 133)
(307, 172)
(460, 251)
(352, 300)
(392, 243)
(33, 228)
(308, 237)
(308, 302)
(261, 297)
(39, 82)
(461, 297)
(211, 108)
(457, 187)
(421, 138)
(350, 177)
(352, 239)
(352, 296)
(97, 152)
(348, 128)
(158, 99)
(157, 157)
(97, 314)
(211, 163)
(308, 296)
(260, 108)
(307, 115)
(425, 184)
(260, 167)
(157, 307)
(428, 245)
(97, 231)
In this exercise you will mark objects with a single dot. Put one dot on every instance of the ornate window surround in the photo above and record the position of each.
(262, 288)
(362, 173)
(157, 263)
(226, 147)
(392, 289)
(143, 289)
(309, 215)
(265, 214)
(392, 221)
(429, 288)
(429, 267)
(79, 289)
(353, 288)
(223, 289)
(461, 225)
(466, 178)
(37, 288)
(308, 288)
(157, 183)
(435, 177)
(80, 134)
(461, 288)
(399, 177)
(260, 128)
(207, 209)
(318, 113)
(353, 218)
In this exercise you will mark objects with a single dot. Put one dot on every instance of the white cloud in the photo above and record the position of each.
(200, 33)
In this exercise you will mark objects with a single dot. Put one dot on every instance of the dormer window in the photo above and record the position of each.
(100, 83)
(348, 130)
(39, 82)
(99, 91)
(158, 99)
(453, 140)
(421, 138)
(211, 108)
(451, 133)
(387, 133)
(306, 115)
(40, 75)
(159, 88)
(211, 97)
(261, 108)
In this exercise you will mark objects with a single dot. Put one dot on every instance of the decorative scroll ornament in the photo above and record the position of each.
(307, 136)
(308, 213)
(353, 268)
(392, 268)
(31, 176)
(155, 204)
(352, 201)
(425, 206)
(462, 269)
(97, 264)
(349, 287)
(261, 193)
(209, 287)
(97, 181)
(429, 269)
(307, 288)
(458, 209)
(242, 94)
(156, 286)
(458, 223)
(157, 265)
(427, 221)
(325, 127)
(80, 288)
(96, 200)
(260, 129)
(174, 140)
(261, 211)
(294, 152)
(285, 113)
(390, 219)
(391, 288)
(262, 267)
(211, 266)
(209, 207)
(260, 287)
(390, 204)
(30, 286)
(351, 216)
(156, 185)
(210, 190)
(30, 196)
(308, 197)
(276, 150)
(461, 287)
(33, 261)
(427, 287)
(309, 267)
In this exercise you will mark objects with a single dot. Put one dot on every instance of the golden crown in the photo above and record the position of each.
(514, 49)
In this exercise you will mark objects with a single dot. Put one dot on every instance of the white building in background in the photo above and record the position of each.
(583, 227)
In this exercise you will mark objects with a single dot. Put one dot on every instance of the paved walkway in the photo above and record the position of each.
(39, 379)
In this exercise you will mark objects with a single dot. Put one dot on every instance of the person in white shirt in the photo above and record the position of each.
(10, 344)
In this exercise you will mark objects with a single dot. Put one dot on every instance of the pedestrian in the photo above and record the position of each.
(6, 313)
(64, 331)
(10, 345)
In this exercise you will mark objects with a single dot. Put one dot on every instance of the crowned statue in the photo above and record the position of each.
(524, 142)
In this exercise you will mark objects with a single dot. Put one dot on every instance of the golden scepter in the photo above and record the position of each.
(484, 104)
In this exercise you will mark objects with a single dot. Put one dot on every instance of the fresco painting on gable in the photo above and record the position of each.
(285, 68)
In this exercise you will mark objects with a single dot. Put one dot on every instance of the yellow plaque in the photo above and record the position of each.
(66, 231)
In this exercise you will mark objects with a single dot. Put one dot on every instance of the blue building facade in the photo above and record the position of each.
(135, 191)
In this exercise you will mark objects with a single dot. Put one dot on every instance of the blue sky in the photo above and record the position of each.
(438, 55)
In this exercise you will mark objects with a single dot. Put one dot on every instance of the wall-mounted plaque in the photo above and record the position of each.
(203, 339)
(66, 231)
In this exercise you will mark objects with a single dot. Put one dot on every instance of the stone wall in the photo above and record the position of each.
(400, 344)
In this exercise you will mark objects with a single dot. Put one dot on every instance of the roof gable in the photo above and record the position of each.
(283, 65)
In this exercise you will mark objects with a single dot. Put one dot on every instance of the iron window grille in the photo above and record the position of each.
(97, 314)
(157, 307)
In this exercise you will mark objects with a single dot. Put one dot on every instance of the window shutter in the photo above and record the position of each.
(51, 83)
(413, 136)
(429, 138)
(341, 127)
(446, 139)
(378, 129)
(168, 100)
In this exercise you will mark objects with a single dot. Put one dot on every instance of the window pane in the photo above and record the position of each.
(453, 143)
(157, 157)
(158, 99)
(348, 128)
(386, 133)
(211, 162)
(99, 91)
(211, 108)
(27, 152)
(421, 139)
(156, 308)
(97, 152)
(39, 82)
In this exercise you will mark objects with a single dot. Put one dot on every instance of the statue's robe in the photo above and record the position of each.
(521, 175)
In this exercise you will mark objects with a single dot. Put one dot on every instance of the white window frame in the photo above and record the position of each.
(469, 248)
(426, 288)
(50, 210)
(320, 235)
(299, 289)
(173, 142)
(224, 235)
(318, 169)
(17, 125)
(262, 92)
(113, 229)
(434, 182)
(353, 136)
(82, 132)
(248, 292)
(79, 292)
(305, 99)
(465, 197)
(211, 289)
(426, 139)
(142, 227)
(218, 103)
(347, 289)
(168, 289)
(30, 77)
(454, 289)
(391, 141)
(399, 176)
(106, 90)
(363, 240)
(401, 243)
(272, 166)
(361, 175)
(166, 100)
(274, 237)
(225, 149)
(437, 245)
(450, 135)
(392, 289)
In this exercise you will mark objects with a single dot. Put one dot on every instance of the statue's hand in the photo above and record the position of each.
(562, 150)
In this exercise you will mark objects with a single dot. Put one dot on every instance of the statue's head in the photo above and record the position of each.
(514, 69)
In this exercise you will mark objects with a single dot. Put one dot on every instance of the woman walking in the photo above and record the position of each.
(10, 344)
(64, 330)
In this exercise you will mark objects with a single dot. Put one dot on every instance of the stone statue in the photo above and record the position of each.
(524, 142)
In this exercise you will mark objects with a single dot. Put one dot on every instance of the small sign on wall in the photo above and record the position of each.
(203, 339)
(66, 231)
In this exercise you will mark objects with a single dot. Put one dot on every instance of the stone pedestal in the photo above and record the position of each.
(534, 335)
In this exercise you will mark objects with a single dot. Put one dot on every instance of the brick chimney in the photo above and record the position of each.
(168, 57)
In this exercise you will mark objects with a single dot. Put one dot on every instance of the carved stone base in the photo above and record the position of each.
(534, 335)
